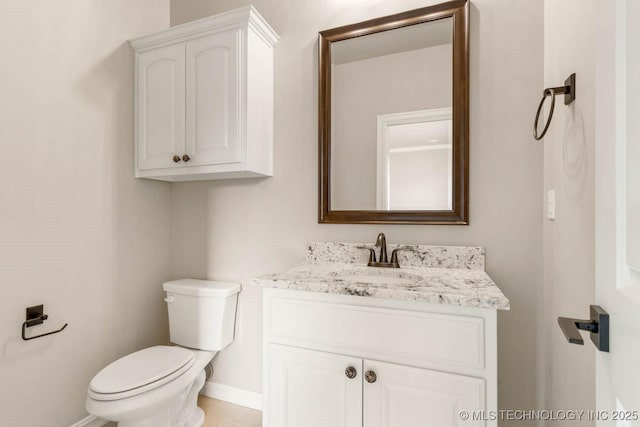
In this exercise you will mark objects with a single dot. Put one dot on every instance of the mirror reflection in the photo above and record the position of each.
(391, 114)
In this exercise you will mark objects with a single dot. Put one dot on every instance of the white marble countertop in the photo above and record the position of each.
(454, 286)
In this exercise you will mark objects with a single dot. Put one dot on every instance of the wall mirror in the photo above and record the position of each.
(394, 118)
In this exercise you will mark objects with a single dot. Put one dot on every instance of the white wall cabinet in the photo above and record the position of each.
(417, 364)
(204, 99)
(161, 94)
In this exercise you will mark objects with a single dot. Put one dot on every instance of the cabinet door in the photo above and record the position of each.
(160, 97)
(213, 99)
(310, 388)
(412, 397)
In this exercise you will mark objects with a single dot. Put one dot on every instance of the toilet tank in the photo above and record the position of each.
(202, 313)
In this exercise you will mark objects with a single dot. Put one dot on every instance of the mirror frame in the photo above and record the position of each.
(459, 214)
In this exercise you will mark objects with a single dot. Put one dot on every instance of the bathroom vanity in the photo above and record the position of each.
(350, 345)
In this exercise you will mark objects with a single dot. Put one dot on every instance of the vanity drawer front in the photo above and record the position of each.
(434, 340)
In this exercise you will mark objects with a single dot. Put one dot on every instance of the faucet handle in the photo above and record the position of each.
(372, 254)
(409, 248)
(394, 254)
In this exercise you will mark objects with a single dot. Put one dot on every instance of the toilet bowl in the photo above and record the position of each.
(158, 386)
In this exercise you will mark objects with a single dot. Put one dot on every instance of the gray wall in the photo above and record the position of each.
(239, 229)
(77, 232)
(569, 241)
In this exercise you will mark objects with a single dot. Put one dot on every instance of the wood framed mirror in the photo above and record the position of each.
(394, 118)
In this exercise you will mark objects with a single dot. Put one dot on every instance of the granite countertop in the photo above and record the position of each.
(463, 285)
(451, 275)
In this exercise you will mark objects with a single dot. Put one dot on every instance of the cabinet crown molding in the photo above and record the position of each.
(247, 15)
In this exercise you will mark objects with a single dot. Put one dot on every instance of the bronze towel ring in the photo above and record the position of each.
(569, 91)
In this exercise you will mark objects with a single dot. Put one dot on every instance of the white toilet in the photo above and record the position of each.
(158, 386)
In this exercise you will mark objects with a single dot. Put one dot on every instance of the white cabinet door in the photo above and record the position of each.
(309, 388)
(412, 397)
(160, 106)
(213, 99)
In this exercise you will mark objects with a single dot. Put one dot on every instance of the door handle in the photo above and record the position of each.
(597, 325)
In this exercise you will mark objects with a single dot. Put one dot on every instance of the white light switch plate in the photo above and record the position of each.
(551, 204)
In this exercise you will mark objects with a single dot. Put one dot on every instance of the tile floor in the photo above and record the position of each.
(224, 414)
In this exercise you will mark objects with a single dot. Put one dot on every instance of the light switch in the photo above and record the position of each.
(551, 204)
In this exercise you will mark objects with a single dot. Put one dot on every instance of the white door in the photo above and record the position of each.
(160, 101)
(396, 395)
(618, 208)
(311, 389)
(213, 99)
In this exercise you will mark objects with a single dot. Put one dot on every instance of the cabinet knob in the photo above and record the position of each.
(350, 372)
(370, 376)
(186, 158)
(176, 158)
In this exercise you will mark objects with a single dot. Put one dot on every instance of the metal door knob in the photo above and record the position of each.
(186, 158)
(370, 376)
(176, 158)
(350, 372)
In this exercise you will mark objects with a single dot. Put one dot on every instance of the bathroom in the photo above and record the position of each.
(92, 243)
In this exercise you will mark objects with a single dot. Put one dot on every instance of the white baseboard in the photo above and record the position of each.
(90, 421)
(238, 396)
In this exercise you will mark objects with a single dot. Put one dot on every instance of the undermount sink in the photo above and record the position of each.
(373, 275)
(377, 279)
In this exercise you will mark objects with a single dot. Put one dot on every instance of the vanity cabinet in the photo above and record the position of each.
(204, 99)
(310, 388)
(351, 361)
(407, 396)
(318, 389)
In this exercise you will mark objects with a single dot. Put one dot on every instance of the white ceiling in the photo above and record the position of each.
(422, 134)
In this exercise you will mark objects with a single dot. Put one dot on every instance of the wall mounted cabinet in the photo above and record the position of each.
(204, 99)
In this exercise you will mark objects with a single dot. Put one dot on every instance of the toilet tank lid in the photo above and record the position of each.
(196, 287)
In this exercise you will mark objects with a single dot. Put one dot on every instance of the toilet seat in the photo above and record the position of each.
(140, 371)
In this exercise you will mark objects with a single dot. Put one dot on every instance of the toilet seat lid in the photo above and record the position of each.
(142, 368)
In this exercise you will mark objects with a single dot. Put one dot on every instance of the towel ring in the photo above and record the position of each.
(569, 91)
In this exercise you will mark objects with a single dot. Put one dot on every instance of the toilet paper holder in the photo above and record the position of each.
(36, 316)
